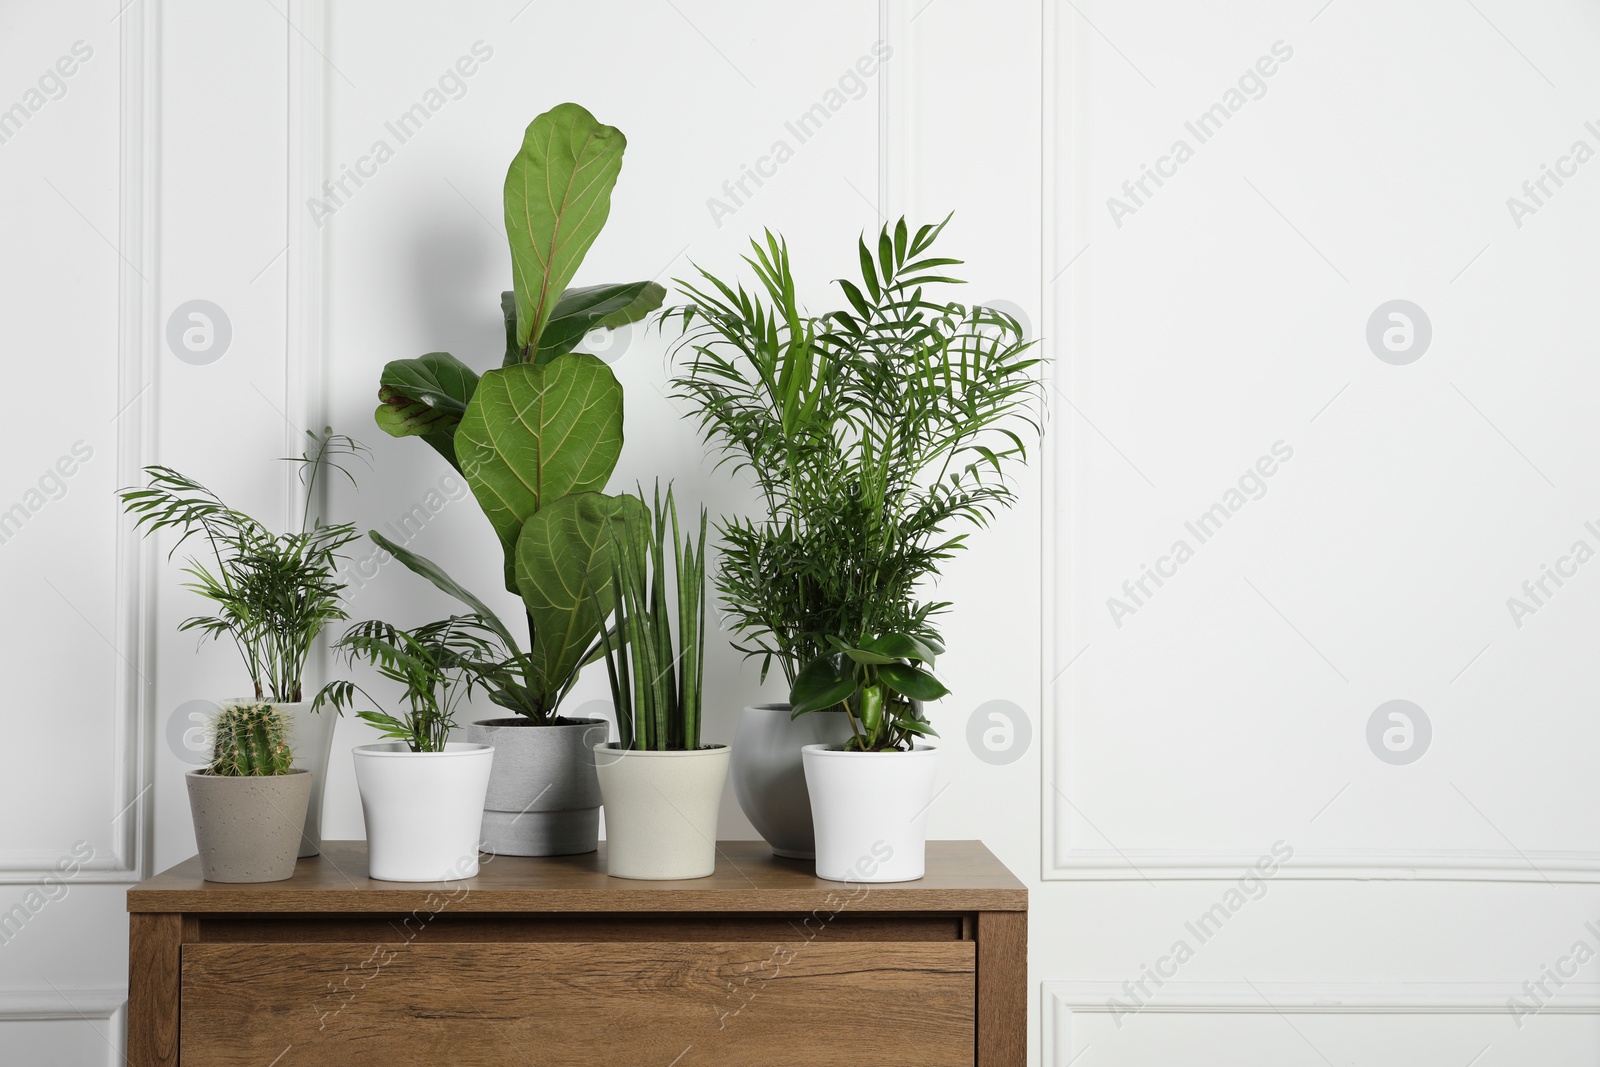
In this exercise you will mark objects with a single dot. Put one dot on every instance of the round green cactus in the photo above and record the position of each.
(250, 739)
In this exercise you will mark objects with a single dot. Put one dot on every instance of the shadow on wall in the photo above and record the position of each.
(456, 266)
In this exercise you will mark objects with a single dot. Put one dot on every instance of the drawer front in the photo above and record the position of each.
(558, 1004)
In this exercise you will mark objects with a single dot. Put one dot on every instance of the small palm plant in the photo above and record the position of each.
(431, 662)
(274, 592)
(657, 690)
(249, 740)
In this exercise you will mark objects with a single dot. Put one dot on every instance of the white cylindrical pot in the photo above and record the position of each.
(661, 810)
(310, 739)
(423, 810)
(769, 778)
(871, 811)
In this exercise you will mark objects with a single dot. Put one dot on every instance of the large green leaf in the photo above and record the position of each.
(533, 434)
(425, 397)
(822, 683)
(557, 197)
(422, 565)
(564, 573)
(595, 306)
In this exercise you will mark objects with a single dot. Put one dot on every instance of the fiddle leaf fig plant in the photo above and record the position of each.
(533, 434)
(538, 437)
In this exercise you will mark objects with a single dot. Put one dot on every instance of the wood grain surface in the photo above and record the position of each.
(961, 876)
(569, 1004)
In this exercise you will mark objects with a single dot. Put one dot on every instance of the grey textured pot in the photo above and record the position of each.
(544, 798)
(769, 778)
(248, 829)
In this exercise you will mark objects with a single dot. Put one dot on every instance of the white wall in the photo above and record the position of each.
(1173, 740)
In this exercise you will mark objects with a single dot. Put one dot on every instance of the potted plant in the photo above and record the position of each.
(274, 592)
(249, 803)
(421, 793)
(537, 440)
(662, 786)
(870, 430)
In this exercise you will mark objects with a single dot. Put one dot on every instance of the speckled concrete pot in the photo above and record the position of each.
(248, 829)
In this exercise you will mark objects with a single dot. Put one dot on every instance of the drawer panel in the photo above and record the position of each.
(557, 1004)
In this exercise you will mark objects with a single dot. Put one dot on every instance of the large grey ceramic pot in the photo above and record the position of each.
(544, 798)
(248, 828)
(769, 777)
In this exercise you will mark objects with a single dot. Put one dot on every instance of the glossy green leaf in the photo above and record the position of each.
(824, 682)
(595, 307)
(533, 434)
(425, 397)
(564, 573)
(557, 197)
(911, 681)
(508, 311)
(901, 646)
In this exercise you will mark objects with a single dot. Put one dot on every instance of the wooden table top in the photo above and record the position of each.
(961, 876)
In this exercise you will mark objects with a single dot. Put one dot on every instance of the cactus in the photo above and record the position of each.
(250, 739)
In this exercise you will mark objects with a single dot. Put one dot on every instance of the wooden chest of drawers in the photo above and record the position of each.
(550, 962)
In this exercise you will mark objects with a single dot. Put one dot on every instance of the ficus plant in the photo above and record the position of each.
(538, 437)
(872, 430)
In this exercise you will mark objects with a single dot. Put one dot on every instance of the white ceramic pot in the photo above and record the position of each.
(871, 811)
(769, 778)
(423, 810)
(661, 810)
(310, 739)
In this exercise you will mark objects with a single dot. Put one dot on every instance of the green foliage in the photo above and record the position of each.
(534, 433)
(870, 431)
(881, 684)
(274, 592)
(557, 197)
(249, 740)
(545, 425)
(434, 664)
(656, 683)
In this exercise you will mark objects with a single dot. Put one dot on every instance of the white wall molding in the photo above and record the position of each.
(1065, 255)
(1062, 1002)
(102, 1009)
(138, 326)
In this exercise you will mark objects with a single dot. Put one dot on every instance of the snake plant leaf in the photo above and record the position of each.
(557, 197)
(533, 434)
(565, 575)
(425, 397)
(595, 306)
